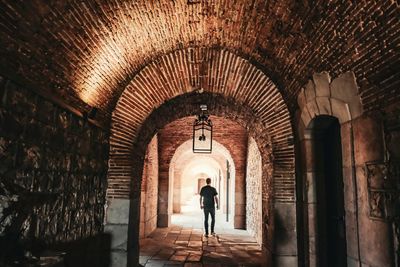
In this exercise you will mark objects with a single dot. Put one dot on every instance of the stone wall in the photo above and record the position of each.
(53, 167)
(370, 171)
(253, 191)
(148, 208)
(368, 219)
(392, 185)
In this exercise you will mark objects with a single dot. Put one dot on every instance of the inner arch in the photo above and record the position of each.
(185, 165)
(177, 74)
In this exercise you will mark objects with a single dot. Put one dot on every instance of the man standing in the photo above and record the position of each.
(208, 199)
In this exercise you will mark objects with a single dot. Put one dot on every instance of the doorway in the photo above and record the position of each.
(331, 232)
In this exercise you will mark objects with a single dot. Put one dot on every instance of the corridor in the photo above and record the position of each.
(114, 114)
(183, 244)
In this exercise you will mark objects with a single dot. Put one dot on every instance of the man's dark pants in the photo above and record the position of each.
(208, 211)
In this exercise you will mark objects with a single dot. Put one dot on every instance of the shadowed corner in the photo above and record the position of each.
(20, 247)
(91, 251)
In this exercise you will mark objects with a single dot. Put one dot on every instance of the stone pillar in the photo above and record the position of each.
(240, 211)
(376, 241)
(285, 221)
(254, 189)
(310, 199)
(164, 217)
(165, 184)
(117, 219)
(133, 232)
(149, 189)
(165, 191)
(239, 221)
(177, 176)
(350, 195)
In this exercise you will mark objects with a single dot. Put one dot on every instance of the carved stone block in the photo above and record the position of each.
(382, 191)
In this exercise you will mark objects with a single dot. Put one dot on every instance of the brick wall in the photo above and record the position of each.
(253, 191)
(149, 190)
(53, 168)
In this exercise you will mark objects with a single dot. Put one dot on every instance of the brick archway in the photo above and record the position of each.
(251, 100)
(239, 81)
(187, 105)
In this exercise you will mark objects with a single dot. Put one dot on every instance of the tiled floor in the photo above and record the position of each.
(183, 244)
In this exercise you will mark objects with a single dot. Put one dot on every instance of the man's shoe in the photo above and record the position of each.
(213, 234)
(206, 235)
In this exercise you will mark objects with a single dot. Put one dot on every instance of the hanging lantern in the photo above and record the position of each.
(202, 132)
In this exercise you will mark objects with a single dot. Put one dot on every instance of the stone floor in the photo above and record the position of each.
(183, 244)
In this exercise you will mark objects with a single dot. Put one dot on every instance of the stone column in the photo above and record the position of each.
(164, 216)
(117, 219)
(240, 199)
(177, 176)
(310, 199)
(133, 232)
(350, 194)
(285, 237)
(165, 184)
(376, 241)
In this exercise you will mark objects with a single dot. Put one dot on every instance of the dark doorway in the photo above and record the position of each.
(331, 236)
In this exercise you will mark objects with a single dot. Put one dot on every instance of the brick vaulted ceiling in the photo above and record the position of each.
(88, 52)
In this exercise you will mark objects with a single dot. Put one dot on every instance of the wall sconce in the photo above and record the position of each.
(202, 132)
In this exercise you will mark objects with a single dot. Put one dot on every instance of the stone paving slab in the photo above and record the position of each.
(183, 244)
(192, 250)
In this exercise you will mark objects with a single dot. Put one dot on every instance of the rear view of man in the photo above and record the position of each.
(208, 199)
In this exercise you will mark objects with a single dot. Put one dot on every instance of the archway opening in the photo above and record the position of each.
(327, 150)
(188, 172)
(127, 162)
(235, 169)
